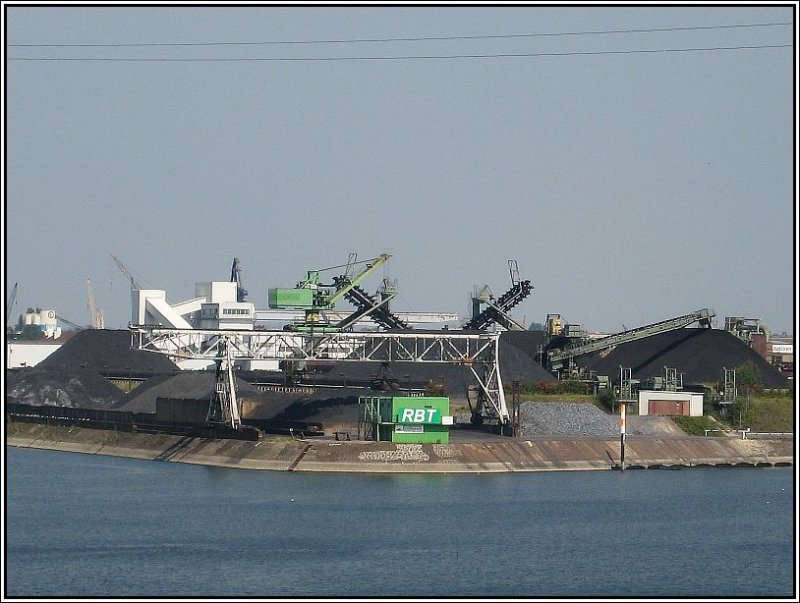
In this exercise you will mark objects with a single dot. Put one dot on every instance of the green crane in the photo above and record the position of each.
(314, 297)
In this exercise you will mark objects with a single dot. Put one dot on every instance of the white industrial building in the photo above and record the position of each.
(21, 354)
(214, 307)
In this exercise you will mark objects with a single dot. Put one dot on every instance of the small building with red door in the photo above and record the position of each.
(670, 404)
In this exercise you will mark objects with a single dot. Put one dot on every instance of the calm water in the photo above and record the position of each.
(81, 525)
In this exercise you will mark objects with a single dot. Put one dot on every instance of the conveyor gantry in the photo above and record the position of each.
(497, 310)
(478, 352)
(565, 356)
(374, 308)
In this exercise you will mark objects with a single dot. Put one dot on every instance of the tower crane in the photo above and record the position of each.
(10, 304)
(94, 312)
(135, 286)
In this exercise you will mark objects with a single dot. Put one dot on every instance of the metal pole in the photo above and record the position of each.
(622, 435)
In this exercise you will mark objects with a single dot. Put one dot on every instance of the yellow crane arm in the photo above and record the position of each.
(345, 284)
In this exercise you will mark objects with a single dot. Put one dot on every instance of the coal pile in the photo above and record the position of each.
(108, 352)
(189, 385)
(64, 388)
(566, 419)
(328, 408)
(700, 354)
(518, 352)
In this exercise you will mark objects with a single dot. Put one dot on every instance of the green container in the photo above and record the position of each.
(418, 420)
(407, 419)
(291, 298)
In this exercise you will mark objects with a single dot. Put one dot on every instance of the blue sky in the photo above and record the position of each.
(630, 187)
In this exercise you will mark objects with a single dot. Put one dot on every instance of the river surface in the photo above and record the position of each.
(82, 525)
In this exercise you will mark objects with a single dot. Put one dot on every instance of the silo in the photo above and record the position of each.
(48, 318)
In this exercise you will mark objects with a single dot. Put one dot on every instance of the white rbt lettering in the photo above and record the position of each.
(417, 415)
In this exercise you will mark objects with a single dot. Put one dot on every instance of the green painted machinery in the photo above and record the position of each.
(314, 297)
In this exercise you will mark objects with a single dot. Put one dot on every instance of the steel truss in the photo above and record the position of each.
(477, 351)
(223, 406)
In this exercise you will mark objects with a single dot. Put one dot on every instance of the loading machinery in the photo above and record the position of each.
(314, 297)
(564, 344)
(497, 310)
(236, 277)
(374, 307)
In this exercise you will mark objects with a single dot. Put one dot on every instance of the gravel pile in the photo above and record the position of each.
(566, 419)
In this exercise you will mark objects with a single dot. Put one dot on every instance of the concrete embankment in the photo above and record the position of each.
(318, 455)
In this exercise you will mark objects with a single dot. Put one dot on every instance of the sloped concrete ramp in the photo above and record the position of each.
(502, 455)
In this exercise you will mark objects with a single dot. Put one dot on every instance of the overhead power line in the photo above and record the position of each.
(409, 39)
(400, 58)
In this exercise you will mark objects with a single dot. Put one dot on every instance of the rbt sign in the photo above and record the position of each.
(420, 415)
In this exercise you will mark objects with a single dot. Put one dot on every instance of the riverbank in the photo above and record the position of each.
(276, 453)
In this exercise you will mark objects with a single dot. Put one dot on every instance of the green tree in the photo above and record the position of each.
(748, 383)
(748, 378)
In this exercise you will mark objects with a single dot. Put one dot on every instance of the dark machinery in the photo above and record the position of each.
(497, 310)
(376, 308)
(236, 277)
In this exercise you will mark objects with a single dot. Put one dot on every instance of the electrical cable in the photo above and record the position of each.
(400, 58)
(417, 39)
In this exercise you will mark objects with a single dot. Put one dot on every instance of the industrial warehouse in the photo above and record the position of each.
(217, 368)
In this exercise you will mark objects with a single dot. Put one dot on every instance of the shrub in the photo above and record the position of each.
(607, 399)
(696, 425)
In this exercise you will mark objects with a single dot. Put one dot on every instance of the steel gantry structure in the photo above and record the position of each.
(478, 351)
